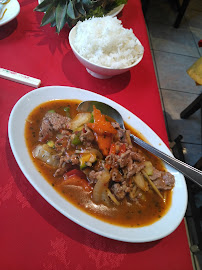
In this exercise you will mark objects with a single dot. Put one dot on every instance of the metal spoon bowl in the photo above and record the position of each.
(190, 172)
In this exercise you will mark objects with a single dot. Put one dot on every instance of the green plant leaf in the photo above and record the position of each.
(112, 5)
(53, 23)
(70, 10)
(59, 12)
(60, 16)
(80, 9)
(43, 6)
(77, 13)
(87, 3)
(97, 12)
(120, 2)
(49, 16)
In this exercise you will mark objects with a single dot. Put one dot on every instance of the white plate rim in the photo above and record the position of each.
(16, 123)
(114, 12)
(13, 9)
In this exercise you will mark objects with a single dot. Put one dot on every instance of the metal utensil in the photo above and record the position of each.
(190, 172)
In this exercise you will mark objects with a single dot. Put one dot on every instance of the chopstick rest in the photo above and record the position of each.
(20, 78)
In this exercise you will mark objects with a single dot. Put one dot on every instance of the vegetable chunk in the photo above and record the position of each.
(103, 131)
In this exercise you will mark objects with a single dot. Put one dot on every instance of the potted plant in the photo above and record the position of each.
(57, 13)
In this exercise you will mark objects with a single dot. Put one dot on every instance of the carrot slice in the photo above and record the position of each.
(104, 143)
(103, 131)
(101, 125)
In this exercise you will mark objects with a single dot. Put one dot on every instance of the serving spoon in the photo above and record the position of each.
(190, 172)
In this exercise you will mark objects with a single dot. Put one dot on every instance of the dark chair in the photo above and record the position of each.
(195, 72)
(180, 8)
(192, 108)
(194, 212)
(181, 11)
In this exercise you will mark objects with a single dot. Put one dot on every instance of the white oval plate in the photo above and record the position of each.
(13, 9)
(16, 125)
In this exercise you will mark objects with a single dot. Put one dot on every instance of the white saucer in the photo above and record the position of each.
(13, 9)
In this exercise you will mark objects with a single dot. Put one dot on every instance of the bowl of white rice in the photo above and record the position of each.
(105, 47)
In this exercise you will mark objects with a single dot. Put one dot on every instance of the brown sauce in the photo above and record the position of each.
(127, 214)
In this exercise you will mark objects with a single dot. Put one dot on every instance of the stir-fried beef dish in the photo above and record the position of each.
(92, 162)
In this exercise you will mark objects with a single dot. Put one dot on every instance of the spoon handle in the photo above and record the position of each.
(192, 173)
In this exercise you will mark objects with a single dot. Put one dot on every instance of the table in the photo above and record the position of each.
(33, 234)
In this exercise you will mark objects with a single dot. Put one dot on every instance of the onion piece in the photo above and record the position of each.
(49, 149)
(133, 193)
(79, 120)
(148, 168)
(45, 156)
(101, 187)
(152, 184)
(140, 181)
(128, 137)
(112, 197)
(105, 198)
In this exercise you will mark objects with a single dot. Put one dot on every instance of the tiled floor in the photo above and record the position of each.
(174, 51)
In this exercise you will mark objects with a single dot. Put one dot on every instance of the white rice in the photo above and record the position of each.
(104, 41)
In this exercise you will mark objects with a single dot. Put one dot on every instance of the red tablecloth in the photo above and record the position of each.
(33, 235)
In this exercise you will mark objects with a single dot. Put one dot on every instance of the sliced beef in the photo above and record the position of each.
(137, 156)
(63, 143)
(120, 190)
(156, 174)
(124, 159)
(96, 172)
(121, 161)
(93, 176)
(111, 160)
(45, 131)
(99, 165)
(73, 159)
(126, 162)
(129, 156)
(52, 122)
(63, 167)
(66, 163)
(165, 182)
(86, 135)
(169, 179)
(116, 176)
(121, 133)
(134, 168)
